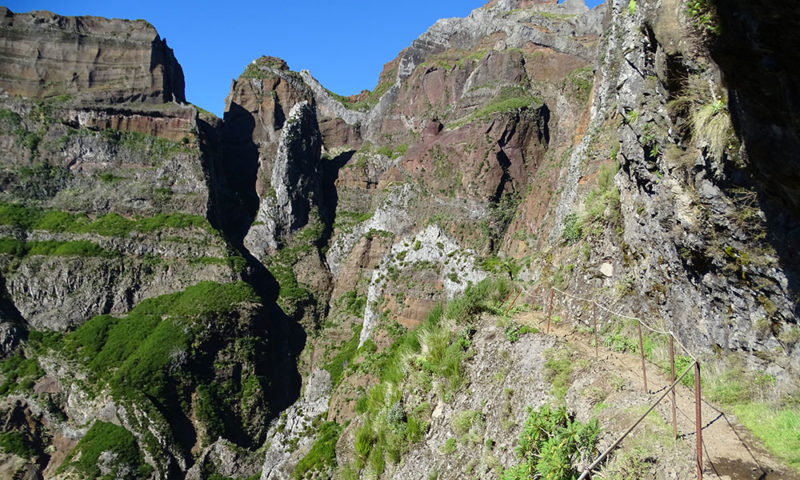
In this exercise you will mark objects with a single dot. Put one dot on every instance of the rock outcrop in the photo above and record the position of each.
(96, 59)
(295, 183)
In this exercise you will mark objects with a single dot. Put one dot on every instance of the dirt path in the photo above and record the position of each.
(730, 452)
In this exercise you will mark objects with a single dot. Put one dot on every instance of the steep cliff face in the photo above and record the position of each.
(112, 213)
(696, 218)
(104, 192)
(125, 326)
(96, 59)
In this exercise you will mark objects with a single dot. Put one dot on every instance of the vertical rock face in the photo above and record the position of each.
(295, 183)
(98, 59)
(86, 136)
(690, 202)
(256, 110)
(765, 96)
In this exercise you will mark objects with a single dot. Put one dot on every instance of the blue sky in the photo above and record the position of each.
(343, 43)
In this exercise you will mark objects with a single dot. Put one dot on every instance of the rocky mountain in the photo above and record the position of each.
(320, 286)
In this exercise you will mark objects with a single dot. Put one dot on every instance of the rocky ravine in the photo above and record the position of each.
(170, 279)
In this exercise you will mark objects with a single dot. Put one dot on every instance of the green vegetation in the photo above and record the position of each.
(106, 437)
(509, 99)
(497, 265)
(711, 123)
(346, 220)
(146, 146)
(353, 303)
(550, 443)
(636, 459)
(9, 121)
(132, 354)
(555, 16)
(501, 214)
(346, 353)
(138, 357)
(579, 83)
(19, 374)
(632, 7)
(621, 335)
(708, 116)
(112, 224)
(754, 397)
(704, 16)
(83, 248)
(779, 429)
(391, 151)
(558, 369)
(430, 354)
(572, 228)
(514, 331)
(322, 456)
(632, 116)
(602, 208)
(292, 293)
(386, 82)
(16, 443)
(449, 446)
(253, 69)
(37, 182)
(108, 177)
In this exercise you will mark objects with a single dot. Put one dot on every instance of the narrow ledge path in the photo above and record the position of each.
(729, 448)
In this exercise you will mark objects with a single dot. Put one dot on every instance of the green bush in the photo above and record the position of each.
(107, 437)
(16, 443)
(711, 122)
(431, 351)
(346, 353)
(704, 15)
(322, 456)
(558, 370)
(572, 228)
(354, 303)
(580, 83)
(514, 331)
(208, 406)
(12, 246)
(550, 443)
(19, 373)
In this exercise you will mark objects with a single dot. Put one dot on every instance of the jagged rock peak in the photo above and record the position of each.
(98, 60)
(271, 62)
(504, 17)
(295, 182)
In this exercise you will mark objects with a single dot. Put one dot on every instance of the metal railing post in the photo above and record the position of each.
(698, 420)
(594, 315)
(512, 303)
(672, 379)
(641, 354)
